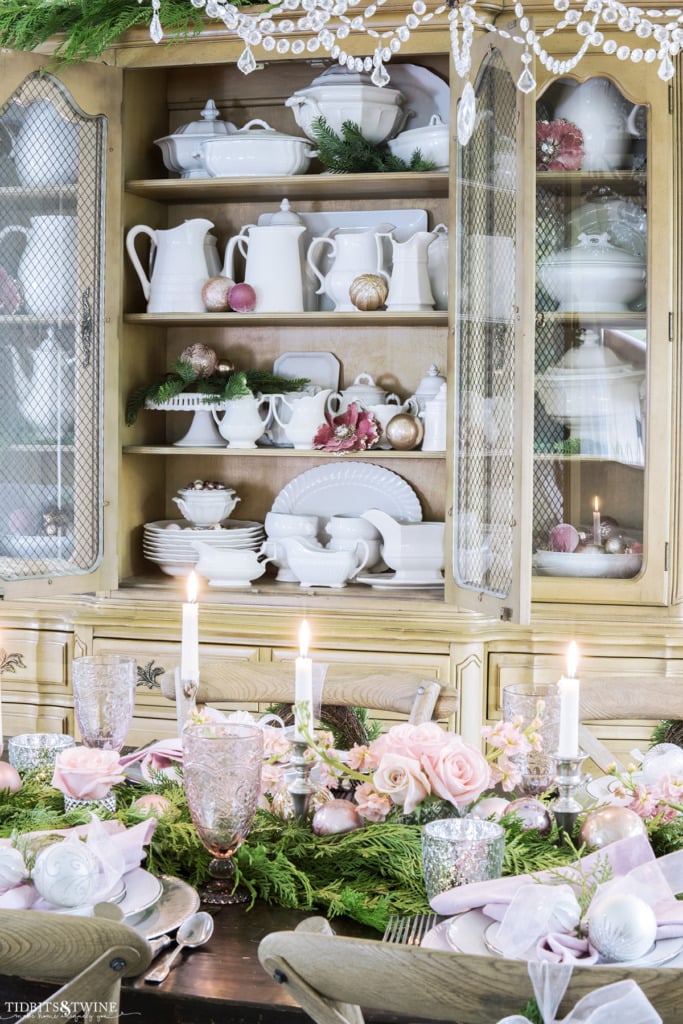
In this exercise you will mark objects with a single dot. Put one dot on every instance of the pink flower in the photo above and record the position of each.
(362, 758)
(458, 772)
(276, 746)
(352, 431)
(402, 779)
(372, 805)
(559, 146)
(86, 773)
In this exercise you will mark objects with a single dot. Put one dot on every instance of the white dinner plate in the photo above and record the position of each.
(321, 368)
(662, 951)
(349, 488)
(142, 891)
(162, 526)
(177, 900)
(593, 564)
(424, 92)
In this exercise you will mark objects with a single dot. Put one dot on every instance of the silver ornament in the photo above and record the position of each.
(621, 926)
(608, 824)
(533, 814)
(335, 817)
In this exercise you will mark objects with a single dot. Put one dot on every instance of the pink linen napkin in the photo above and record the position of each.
(536, 911)
(157, 757)
(117, 849)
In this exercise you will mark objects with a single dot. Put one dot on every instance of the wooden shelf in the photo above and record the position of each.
(430, 318)
(406, 185)
(268, 453)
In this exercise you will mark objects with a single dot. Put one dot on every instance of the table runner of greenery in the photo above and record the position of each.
(366, 875)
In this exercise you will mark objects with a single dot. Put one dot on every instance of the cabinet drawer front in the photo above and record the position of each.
(36, 662)
(21, 718)
(157, 662)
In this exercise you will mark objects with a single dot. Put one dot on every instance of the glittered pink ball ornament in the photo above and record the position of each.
(153, 805)
(608, 824)
(242, 298)
(532, 813)
(335, 817)
(215, 294)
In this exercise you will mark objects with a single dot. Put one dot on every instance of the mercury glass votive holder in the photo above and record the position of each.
(456, 851)
(36, 751)
(105, 803)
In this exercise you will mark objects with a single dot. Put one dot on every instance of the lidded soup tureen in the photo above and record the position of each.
(593, 276)
(597, 396)
(181, 151)
(341, 95)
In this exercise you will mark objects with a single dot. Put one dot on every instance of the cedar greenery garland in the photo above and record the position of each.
(88, 26)
(366, 875)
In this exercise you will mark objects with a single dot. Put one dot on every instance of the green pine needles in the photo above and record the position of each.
(88, 27)
(219, 387)
(352, 153)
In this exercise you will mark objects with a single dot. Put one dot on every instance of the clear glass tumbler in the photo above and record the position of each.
(542, 701)
(104, 698)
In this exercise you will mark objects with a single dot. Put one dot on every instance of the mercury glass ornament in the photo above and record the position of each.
(336, 817)
(404, 432)
(202, 359)
(533, 814)
(608, 824)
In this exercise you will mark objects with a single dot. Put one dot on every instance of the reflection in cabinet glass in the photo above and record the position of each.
(51, 217)
(485, 339)
(591, 339)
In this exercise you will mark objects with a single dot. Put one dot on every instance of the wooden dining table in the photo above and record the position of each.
(221, 982)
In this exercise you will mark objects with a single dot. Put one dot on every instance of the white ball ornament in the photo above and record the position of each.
(335, 817)
(66, 874)
(621, 927)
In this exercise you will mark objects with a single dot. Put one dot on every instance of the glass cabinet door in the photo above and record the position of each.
(52, 203)
(592, 346)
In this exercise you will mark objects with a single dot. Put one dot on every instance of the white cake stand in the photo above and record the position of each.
(203, 432)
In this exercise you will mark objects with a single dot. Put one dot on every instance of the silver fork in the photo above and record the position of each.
(409, 931)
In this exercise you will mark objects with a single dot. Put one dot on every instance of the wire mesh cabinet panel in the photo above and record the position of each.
(52, 206)
(487, 538)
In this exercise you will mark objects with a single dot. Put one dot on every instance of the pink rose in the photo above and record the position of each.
(402, 779)
(412, 740)
(457, 771)
(86, 773)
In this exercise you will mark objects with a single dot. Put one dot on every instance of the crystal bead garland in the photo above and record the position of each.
(327, 23)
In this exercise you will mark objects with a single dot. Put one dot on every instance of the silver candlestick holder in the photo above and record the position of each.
(185, 699)
(568, 779)
(300, 787)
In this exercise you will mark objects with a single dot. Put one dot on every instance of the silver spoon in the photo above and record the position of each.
(195, 931)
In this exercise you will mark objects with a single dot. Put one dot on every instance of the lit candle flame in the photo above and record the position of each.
(192, 587)
(304, 639)
(572, 658)
(596, 504)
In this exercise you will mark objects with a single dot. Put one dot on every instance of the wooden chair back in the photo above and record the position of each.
(90, 955)
(404, 693)
(331, 977)
(629, 698)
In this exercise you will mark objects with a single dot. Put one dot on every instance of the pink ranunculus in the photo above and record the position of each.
(402, 779)
(86, 773)
(457, 772)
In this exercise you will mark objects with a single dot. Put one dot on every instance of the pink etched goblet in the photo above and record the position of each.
(222, 764)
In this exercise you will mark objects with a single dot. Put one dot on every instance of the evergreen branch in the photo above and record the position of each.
(352, 153)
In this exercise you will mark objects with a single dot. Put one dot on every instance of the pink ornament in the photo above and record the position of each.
(242, 298)
(532, 813)
(215, 294)
(335, 817)
(10, 779)
(563, 537)
(153, 804)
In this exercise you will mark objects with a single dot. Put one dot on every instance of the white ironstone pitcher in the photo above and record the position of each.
(180, 266)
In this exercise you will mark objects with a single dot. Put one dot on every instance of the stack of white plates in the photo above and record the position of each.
(168, 542)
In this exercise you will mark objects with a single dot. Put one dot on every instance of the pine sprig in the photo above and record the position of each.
(352, 153)
(218, 387)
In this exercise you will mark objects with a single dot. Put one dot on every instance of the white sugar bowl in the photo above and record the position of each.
(364, 392)
(432, 140)
(206, 508)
